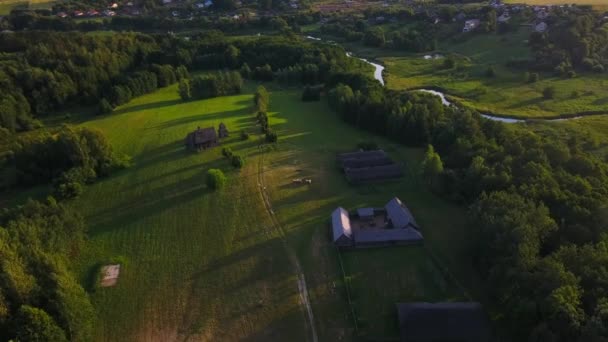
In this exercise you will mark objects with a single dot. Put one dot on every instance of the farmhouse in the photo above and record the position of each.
(428, 322)
(201, 138)
(366, 166)
(372, 227)
(470, 25)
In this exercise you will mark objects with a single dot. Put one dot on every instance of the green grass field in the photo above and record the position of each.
(6, 6)
(211, 266)
(507, 93)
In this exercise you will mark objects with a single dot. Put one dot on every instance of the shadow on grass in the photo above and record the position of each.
(526, 103)
(150, 203)
(153, 105)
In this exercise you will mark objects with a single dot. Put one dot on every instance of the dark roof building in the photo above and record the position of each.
(354, 163)
(365, 213)
(398, 214)
(201, 138)
(368, 174)
(361, 155)
(457, 322)
(341, 229)
(375, 227)
(377, 237)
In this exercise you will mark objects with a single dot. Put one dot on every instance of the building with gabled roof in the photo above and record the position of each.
(342, 232)
(432, 322)
(201, 138)
(399, 216)
(372, 227)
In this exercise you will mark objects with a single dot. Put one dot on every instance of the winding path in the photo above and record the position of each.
(293, 258)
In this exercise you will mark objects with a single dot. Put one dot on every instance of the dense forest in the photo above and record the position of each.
(538, 205)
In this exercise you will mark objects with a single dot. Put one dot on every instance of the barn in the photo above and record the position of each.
(342, 232)
(374, 227)
(367, 166)
(201, 138)
(375, 173)
(431, 322)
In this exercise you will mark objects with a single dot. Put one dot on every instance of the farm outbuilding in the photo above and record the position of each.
(201, 138)
(366, 166)
(373, 227)
(342, 232)
(431, 322)
(369, 174)
(398, 214)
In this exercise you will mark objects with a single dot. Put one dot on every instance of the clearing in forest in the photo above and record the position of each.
(219, 265)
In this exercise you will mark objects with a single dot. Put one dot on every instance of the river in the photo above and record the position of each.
(378, 69)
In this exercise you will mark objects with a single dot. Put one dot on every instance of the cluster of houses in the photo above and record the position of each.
(112, 10)
(394, 224)
(368, 166)
(539, 24)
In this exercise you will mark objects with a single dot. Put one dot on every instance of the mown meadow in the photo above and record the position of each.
(211, 265)
(507, 92)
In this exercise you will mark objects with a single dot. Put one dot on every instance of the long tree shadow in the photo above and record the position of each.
(153, 105)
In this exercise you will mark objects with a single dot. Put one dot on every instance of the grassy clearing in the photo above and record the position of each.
(203, 265)
(310, 138)
(6, 6)
(507, 93)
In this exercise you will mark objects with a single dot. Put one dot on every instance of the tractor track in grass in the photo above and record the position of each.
(302, 289)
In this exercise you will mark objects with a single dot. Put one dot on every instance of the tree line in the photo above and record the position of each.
(40, 299)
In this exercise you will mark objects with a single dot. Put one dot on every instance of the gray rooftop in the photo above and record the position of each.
(427, 322)
(387, 235)
(399, 214)
(340, 223)
(365, 212)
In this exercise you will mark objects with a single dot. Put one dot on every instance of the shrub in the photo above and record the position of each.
(574, 94)
(227, 152)
(533, 77)
(598, 68)
(237, 161)
(449, 63)
(244, 135)
(215, 179)
(67, 190)
(311, 93)
(104, 107)
(271, 136)
(571, 74)
(490, 72)
(548, 93)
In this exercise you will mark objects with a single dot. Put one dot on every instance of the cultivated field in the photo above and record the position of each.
(215, 266)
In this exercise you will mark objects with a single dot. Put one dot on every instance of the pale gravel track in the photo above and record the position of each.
(302, 289)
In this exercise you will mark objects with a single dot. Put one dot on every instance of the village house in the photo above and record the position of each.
(373, 227)
(471, 25)
(454, 321)
(201, 139)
